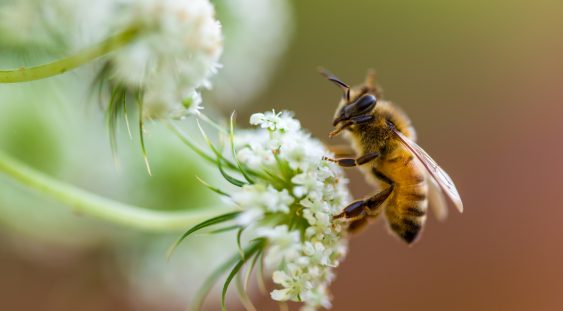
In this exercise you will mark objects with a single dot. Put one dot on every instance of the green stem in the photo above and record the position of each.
(83, 202)
(57, 67)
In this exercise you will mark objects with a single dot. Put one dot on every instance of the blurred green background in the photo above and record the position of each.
(481, 81)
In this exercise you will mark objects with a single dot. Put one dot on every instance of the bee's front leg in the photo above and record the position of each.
(350, 162)
(355, 120)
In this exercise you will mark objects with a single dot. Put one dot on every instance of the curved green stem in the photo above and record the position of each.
(83, 202)
(85, 56)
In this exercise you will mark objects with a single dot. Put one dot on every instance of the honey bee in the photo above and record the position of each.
(384, 138)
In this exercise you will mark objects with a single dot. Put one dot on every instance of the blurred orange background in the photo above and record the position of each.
(482, 82)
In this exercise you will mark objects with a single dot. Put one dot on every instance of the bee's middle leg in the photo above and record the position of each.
(350, 162)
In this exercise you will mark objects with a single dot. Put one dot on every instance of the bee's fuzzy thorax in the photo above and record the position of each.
(376, 135)
(395, 115)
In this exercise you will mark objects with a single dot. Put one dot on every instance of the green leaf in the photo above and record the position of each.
(141, 130)
(260, 274)
(199, 151)
(214, 277)
(250, 269)
(111, 120)
(284, 168)
(209, 143)
(184, 138)
(243, 295)
(214, 189)
(202, 225)
(225, 229)
(98, 84)
(232, 139)
(229, 178)
(210, 281)
(125, 114)
(251, 250)
(275, 180)
(239, 234)
(230, 277)
(220, 159)
(212, 123)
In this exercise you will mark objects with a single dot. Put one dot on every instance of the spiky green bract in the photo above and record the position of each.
(212, 188)
(210, 222)
(256, 247)
(233, 149)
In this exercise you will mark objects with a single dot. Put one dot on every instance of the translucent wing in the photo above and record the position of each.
(443, 180)
(436, 201)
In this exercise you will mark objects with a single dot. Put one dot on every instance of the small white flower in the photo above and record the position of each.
(284, 244)
(272, 121)
(318, 253)
(294, 282)
(264, 197)
(307, 183)
(316, 297)
(249, 216)
(254, 149)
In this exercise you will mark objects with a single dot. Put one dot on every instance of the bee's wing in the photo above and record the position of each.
(436, 200)
(442, 178)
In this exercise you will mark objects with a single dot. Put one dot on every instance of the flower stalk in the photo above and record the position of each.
(63, 65)
(86, 203)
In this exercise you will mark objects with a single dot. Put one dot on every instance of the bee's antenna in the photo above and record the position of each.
(370, 78)
(327, 74)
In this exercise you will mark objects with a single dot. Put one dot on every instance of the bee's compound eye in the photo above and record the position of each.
(363, 105)
(366, 102)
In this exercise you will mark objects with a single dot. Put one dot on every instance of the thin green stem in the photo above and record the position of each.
(87, 203)
(60, 66)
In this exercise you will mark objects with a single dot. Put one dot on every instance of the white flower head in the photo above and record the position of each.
(175, 53)
(303, 192)
(286, 195)
(163, 51)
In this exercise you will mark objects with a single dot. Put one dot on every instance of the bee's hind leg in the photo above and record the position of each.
(358, 211)
(357, 225)
(350, 162)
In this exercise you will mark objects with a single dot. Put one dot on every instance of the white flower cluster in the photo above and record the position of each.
(294, 214)
(175, 54)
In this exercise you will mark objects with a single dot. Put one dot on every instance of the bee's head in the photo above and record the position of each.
(356, 103)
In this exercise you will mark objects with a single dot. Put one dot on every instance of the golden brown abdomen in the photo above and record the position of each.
(405, 209)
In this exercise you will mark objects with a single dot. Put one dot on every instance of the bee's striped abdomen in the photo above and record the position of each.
(406, 210)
